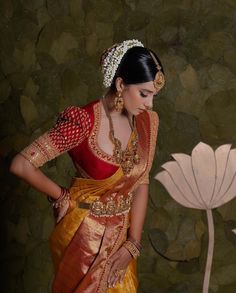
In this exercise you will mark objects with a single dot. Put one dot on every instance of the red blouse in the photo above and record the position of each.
(75, 132)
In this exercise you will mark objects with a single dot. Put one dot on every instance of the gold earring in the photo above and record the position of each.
(119, 103)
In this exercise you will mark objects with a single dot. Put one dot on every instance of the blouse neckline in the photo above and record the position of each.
(93, 139)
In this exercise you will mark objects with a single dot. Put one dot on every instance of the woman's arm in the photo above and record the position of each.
(120, 260)
(138, 212)
(22, 168)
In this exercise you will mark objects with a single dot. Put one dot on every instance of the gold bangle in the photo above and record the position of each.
(61, 200)
(132, 248)
(135, 242)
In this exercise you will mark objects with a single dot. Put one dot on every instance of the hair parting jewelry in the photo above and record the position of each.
(119, 103)
(129, 157)
(159, 80)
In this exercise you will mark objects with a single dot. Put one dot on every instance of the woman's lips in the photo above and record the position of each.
(141, 110)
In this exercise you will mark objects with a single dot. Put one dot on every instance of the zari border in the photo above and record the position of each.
(102, 288)
(40, 151)
(154, 123)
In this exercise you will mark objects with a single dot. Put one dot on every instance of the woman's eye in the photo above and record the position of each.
(143, 95)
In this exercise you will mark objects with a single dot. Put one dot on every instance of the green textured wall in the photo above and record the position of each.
(49, 53)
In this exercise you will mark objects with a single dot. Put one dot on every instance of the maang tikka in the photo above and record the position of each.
(159, 80)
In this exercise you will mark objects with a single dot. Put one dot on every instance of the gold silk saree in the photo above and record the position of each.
(83, 241)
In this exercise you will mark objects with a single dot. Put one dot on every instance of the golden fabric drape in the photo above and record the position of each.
(82, 243)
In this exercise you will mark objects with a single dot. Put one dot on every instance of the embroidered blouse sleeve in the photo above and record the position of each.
(72, 127)
(154, 123)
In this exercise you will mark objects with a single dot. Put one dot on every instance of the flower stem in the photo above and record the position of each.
(210, 252)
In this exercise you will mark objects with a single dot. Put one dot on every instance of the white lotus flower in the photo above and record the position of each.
(204, 180)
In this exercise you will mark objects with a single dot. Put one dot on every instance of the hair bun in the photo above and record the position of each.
(111, 58)
(106, 52)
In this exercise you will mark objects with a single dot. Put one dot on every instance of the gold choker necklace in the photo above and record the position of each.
(129, 157)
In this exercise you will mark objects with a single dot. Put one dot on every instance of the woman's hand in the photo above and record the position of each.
(59, 213)
(119, 263)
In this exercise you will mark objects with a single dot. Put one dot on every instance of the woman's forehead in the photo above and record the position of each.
(147, 86)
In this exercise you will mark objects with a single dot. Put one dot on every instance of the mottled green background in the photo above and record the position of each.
(49, 53)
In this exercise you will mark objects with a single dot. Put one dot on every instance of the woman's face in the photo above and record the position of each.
(138, 97)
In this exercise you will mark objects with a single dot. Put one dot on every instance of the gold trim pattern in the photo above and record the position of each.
(92, 140)
(71, 128)
(40, 151)
(154, 123)
(102, 288)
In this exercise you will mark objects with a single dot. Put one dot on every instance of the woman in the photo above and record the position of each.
(111, 141)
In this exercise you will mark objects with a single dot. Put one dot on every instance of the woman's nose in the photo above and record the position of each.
(149, 104)
(148, 108)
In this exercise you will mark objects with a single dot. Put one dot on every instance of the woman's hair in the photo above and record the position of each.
(136, 66)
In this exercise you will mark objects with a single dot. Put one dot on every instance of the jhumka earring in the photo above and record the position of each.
(159, 80)
(119, 103)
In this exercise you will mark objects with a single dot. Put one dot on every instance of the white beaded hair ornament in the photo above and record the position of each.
(113, 58)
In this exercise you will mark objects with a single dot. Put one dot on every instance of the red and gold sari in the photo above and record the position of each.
(83, 241)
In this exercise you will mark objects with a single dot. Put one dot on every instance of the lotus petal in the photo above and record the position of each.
(230, 194)
(177, 176)
(165, 178)
(228, 177)
(221, 155)
(204, 168)
(185, 163)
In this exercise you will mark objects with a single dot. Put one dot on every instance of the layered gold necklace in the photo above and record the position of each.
(129, 157)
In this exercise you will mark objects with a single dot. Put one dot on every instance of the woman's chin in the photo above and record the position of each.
(138, 112)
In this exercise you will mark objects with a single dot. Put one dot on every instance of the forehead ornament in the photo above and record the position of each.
(159, 80)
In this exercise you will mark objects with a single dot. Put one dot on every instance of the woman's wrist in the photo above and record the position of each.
(133, 246)
(61, 201)
(135, 242)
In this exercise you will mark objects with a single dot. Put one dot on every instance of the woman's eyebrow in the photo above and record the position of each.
(151, 92)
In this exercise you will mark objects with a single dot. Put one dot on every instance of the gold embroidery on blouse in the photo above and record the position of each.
(92, 141)
(64, 136)
(40, 151)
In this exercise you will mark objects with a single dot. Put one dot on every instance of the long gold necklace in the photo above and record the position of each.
(129, 157)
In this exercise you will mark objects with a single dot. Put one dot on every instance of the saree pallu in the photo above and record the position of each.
(83, 242)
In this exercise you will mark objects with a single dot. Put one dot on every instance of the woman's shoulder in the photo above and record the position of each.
(149, 116)
(153, 115)
(76, 113)
(154, 119)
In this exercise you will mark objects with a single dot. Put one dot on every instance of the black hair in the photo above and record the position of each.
(136, 66)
